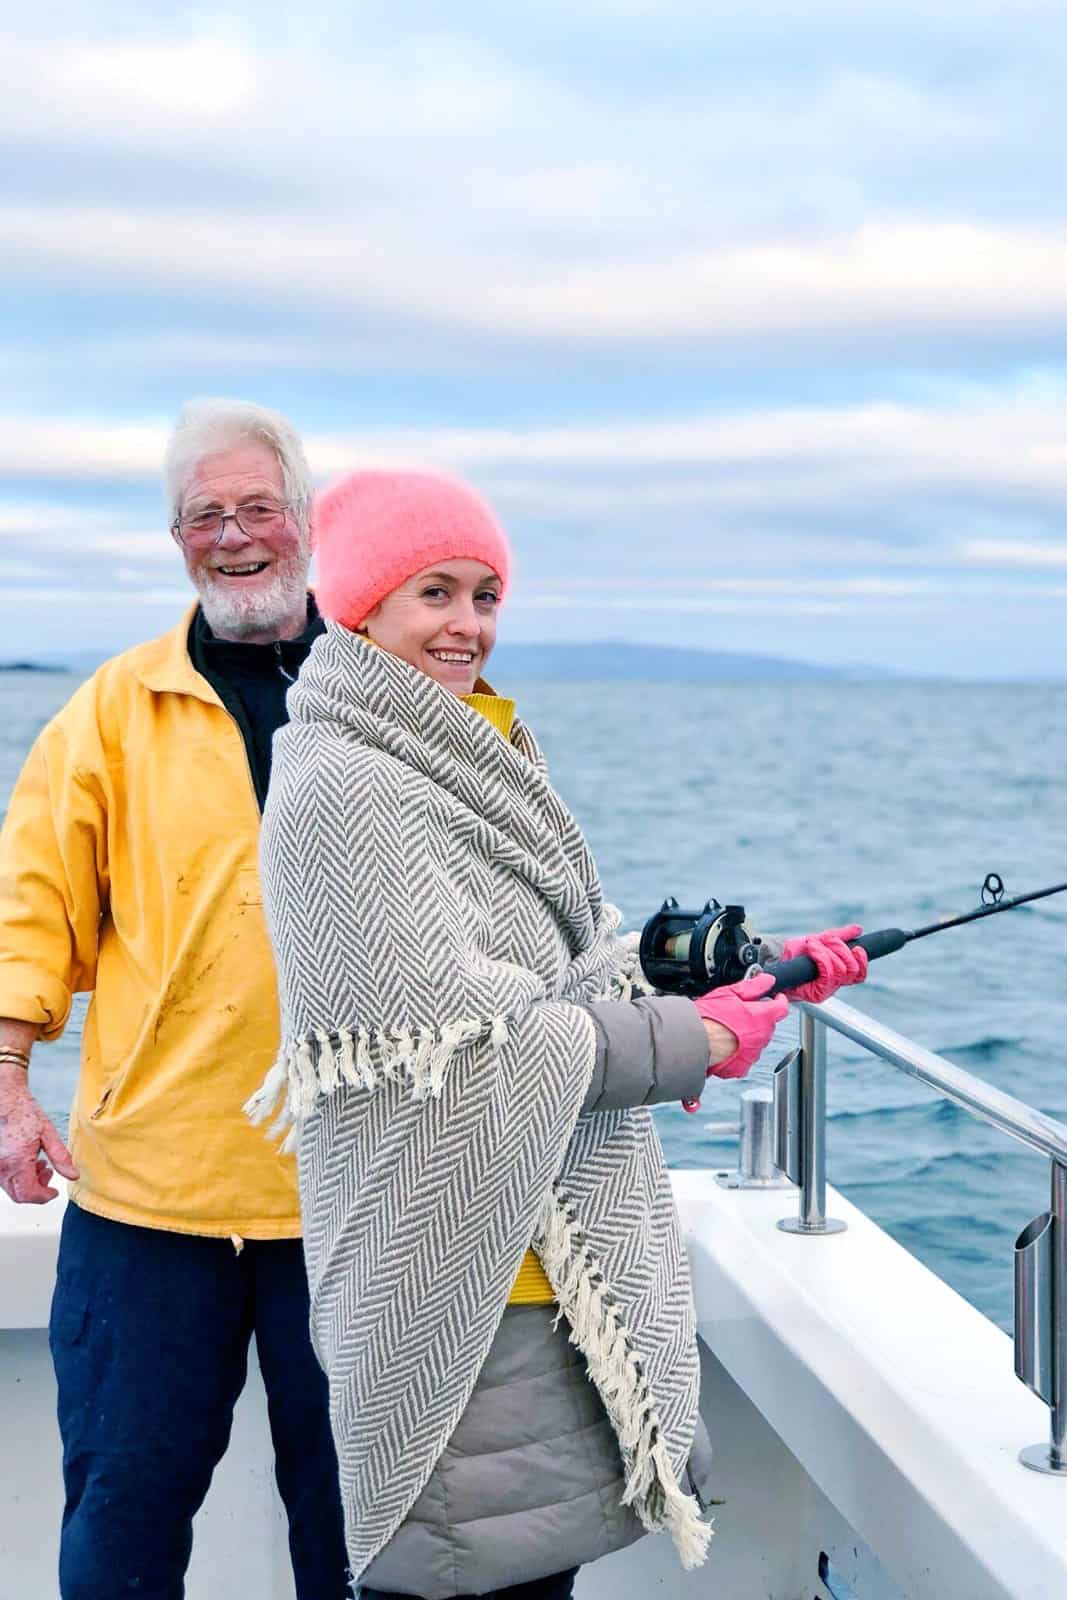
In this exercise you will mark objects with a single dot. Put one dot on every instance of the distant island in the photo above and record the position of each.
(616, 662)
(605, 661)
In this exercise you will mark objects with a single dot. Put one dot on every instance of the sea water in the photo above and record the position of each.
(814, 804)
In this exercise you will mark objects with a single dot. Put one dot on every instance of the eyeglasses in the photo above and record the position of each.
(255, 519)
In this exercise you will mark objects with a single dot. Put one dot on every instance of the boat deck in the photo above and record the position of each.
(867, 1422)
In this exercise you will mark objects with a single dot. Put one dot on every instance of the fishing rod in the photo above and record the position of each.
(692, 952)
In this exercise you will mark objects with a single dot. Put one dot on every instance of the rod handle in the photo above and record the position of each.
(802, 969)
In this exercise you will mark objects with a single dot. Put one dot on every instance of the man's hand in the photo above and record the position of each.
(29, 1144)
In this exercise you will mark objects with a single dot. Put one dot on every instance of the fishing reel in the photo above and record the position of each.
(691, 952)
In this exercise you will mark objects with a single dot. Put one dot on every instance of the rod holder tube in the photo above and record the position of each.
(756, 1167)
(756, 1156)
(810, 1130)
(1041, 1321)
(1033, 1307)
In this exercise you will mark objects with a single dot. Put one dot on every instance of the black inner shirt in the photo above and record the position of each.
(252, 681)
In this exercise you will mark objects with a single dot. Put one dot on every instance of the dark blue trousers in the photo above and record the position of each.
(149, 1335)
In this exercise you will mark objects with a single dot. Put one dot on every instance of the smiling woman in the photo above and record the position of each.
(442, 621)
(440, 617)
(469, 1053)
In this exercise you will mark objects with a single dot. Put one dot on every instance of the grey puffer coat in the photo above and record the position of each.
(531, 1481)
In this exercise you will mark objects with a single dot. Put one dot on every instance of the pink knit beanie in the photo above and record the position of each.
(374, 530)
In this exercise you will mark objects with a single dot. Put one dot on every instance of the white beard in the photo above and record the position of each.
(234, 615)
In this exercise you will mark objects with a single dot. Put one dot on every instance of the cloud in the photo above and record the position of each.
(81, 597)
(729, 592)
(18, 571)
(294, 120)
(881, 510)
(72, 448)
(876, 588)
(81, 530)
(664, 279)
(1009, 553)
(900, 12)
(711, 605)
(197, 82)
(468, 186)
(804, 455)
(903, 273)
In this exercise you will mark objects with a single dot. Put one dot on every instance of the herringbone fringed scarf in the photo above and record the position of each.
(438, 923)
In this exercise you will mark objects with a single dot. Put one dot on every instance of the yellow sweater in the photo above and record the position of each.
(531, 1287)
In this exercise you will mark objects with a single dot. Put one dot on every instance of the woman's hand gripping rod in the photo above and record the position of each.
(694, 952)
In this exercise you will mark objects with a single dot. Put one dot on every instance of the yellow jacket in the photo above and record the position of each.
(128, 866)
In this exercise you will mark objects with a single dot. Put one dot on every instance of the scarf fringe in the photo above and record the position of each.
(652, 1487)
(628, 980)
(365, 1058)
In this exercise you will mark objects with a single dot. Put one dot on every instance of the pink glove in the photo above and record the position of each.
(750, 1017)
(837, 964)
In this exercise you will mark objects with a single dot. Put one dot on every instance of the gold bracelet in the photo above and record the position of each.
(15, 1058)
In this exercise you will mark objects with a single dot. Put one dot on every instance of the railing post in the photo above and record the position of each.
(1041, 1321)
(800, 1103)
(1059, 1316)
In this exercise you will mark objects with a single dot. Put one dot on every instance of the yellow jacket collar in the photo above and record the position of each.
(164, 666)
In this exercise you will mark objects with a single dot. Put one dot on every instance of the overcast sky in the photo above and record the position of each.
(751, 319)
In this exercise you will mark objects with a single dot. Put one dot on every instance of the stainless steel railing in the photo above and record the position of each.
(1041, 1248)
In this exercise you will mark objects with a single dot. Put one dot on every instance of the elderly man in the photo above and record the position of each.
(128, 868)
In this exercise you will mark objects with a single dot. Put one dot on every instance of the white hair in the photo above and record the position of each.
(204, 427)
